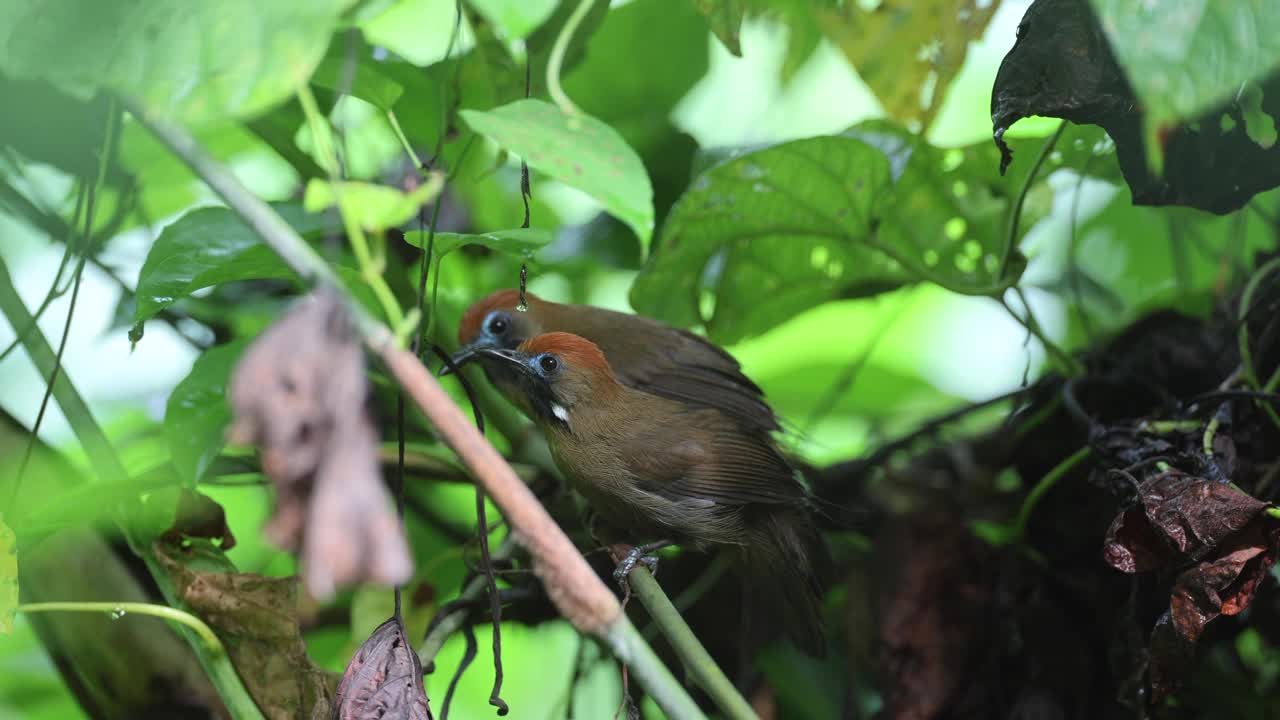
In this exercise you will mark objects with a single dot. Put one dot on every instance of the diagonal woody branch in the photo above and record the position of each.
(575, 589)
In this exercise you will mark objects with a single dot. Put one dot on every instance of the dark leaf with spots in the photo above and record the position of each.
(383, 679)
(300, 394)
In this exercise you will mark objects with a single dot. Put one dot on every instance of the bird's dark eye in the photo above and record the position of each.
(497, 324)
(549, 363)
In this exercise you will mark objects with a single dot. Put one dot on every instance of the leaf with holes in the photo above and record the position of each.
(518, 241)
(773, 232)
(198, 61)
(577, 150)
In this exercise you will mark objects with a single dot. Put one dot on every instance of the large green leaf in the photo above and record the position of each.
(359, 76)
(197, 60)
(791, 226)
(577, 150)
(1185, 56)
(208, 246)
(518, 241)
(197, 414)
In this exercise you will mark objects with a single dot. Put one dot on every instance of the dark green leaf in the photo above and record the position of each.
(200, 61)
(519, 241)
(1186, 56)
(577, 150)
(208, 246)
(725, 18)
(197, 414)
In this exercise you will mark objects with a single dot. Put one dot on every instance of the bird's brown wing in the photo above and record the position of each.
(673, 363)
(717, 462)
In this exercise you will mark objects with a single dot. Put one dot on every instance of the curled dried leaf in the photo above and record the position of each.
(1179, 515)
(300, 394)
(383, 679)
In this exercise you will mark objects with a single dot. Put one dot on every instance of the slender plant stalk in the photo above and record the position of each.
(574, 588)
(556, 61)
(370, 269)
(1045, 485)
(1015, 212)
(109, 469)
(694, 656)
(118, 610)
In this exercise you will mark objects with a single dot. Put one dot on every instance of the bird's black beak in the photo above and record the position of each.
(511, 359)
(460, 358)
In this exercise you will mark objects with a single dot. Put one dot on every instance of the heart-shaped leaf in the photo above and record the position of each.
(579, 151)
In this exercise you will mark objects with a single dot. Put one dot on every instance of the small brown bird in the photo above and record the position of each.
(659, 468)
(644, 353)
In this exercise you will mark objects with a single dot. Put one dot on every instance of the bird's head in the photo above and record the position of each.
(495, 322)
(550, 376)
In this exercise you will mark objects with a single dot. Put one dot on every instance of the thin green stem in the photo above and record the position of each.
(1248, 371)
(1015, 213)
(556, 60)
(404, 142)
(118, 610)
(1045, 485)
(1068, 365)
(628, 646)
(370, 268)
(695, 657)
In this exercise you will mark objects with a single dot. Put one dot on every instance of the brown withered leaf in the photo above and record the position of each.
(1179, 513)
(257, 619)
(907, 52)
(383, 679)
(300, 394)
(1224, 585)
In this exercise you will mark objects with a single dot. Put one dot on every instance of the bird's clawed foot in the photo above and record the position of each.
(637, 555)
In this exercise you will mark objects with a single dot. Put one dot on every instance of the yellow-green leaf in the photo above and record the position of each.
(376, 207)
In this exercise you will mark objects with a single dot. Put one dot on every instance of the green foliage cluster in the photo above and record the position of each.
(847, 271)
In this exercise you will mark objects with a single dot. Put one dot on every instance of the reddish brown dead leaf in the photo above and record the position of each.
(1178, 515)
(1222, 585)
(383, 681)
(300, 394)
(257, 618)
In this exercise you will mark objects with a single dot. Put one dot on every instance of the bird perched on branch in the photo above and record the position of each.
(660, 453)
(644, 353)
